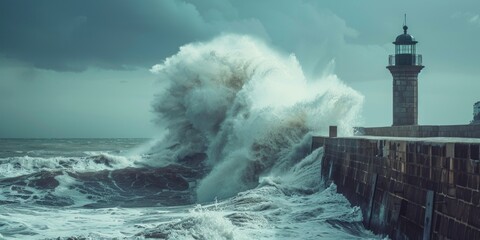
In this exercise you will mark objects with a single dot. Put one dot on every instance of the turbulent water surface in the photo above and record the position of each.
(234, 161)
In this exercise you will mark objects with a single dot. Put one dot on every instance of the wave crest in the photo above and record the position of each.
(247, 107)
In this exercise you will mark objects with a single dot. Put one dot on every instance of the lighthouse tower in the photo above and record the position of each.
(404, 67)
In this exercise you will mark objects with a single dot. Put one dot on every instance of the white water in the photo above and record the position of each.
(273, 210)
(248, 107)
(252, 111)
(18, 166)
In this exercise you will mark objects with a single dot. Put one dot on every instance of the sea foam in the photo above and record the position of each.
(247, 107)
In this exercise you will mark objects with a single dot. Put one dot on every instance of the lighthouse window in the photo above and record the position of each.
(405, 49)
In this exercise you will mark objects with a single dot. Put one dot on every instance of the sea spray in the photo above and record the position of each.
(245, 106)
(238, 118)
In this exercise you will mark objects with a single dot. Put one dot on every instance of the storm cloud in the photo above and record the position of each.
(72, 35)
(66, 35)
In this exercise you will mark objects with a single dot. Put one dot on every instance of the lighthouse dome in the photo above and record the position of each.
(405, 38)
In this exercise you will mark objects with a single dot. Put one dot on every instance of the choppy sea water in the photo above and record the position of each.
(50, 188)
(233, 160)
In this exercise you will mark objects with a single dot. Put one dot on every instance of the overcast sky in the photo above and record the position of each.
(80, 68)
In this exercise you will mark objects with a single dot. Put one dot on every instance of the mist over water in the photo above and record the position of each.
(248, 107)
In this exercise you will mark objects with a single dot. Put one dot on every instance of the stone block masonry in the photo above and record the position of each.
(391, 178)
(405, 94)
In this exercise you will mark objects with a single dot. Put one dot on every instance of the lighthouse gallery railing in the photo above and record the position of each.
(405, 59)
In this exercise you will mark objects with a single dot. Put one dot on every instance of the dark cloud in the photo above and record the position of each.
(66, 35)
(72, 35)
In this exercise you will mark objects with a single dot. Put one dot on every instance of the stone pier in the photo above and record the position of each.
(408, 188)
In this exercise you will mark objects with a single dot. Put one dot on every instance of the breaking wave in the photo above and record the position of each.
(234, 160)
(250, 109)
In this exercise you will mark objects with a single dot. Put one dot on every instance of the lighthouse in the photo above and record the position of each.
(405, 65)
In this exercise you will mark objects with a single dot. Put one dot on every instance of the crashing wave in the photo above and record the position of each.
(247, 107)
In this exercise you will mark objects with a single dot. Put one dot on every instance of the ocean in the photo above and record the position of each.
(91, 189)
(233, 160)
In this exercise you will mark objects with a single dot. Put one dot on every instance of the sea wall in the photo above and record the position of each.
(408, 188)
(463, 131)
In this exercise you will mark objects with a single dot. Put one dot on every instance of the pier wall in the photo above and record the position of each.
(392, 179)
